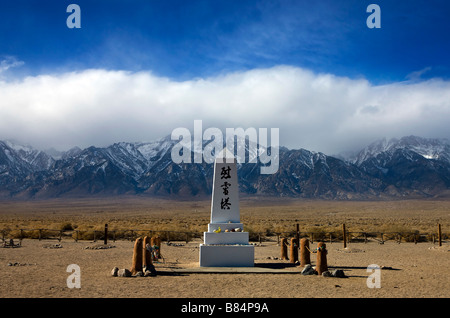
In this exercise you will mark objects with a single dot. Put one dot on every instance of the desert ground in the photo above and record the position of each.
(38, 269)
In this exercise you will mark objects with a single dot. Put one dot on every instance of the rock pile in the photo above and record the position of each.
(142, 265)
(116, 272)
(52, 245)
(99, 247)
(19, 264)
(309, 270)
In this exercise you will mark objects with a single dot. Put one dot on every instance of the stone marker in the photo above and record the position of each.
(284, 244)
(149, 269)
(321, 265)
(155, 242)
(147, 257)
(136, 265)
(226, 244)
(305, 257)
(293, 250)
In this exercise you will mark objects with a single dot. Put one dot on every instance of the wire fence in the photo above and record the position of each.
(131, 234)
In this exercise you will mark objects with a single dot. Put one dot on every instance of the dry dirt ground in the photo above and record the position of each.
(39, 270)
(34, 276)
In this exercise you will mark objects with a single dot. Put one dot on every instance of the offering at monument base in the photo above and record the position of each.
(226, 244)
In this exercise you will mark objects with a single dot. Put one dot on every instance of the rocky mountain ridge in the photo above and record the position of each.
(397, 168)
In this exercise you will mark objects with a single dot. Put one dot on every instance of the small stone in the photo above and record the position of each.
(338, 273)
(114, 271)
(326, 274)
(308, 270)
(150, 268)
(124, 273)
(149, 274)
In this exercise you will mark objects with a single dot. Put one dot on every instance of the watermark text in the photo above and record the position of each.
(251, 146)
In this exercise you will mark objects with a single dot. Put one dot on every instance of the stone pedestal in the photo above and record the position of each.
(226, 244)
(227, 255)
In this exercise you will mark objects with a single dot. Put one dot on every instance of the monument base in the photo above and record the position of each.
(227, 255)
(225, 238)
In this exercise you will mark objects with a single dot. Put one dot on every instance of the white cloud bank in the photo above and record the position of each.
(319, 112)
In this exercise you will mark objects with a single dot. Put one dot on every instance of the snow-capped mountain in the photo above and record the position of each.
(428, 148)
(25, 156)
(17, 164)
(410, 166)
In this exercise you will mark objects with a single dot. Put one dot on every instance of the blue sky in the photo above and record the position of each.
(190, 38)
(312, 68)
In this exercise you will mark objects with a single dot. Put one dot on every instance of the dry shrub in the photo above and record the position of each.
(5, 232)
(83, 235)
(67, 226)
(319, 233)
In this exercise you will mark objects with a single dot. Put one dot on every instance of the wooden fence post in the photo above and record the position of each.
(106, 234)
(344, 232)
(439, 235)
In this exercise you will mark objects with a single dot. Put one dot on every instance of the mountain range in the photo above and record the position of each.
(409, 167)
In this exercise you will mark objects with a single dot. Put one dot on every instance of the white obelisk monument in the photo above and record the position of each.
(226, 244)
